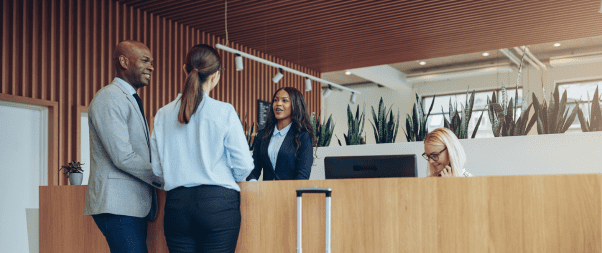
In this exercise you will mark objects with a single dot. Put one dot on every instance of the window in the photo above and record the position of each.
(582, 92)
(442, 104)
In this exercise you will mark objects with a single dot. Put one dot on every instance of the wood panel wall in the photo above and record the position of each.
(60, 50)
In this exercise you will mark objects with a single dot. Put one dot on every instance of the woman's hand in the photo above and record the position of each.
(446, 172)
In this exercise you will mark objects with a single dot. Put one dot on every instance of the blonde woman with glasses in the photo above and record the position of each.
(445, 155)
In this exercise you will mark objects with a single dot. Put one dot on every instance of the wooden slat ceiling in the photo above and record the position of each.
(337, 35)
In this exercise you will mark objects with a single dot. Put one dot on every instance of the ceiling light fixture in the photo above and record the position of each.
(307, 84)
(239, 65)
(422, 63)
(353, 97)
(327, 92)
(283, 68)
(485, 54)
(556, 44)
(347, 73)
(278, 76)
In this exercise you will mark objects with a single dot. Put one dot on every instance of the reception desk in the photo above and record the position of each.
(551, 213)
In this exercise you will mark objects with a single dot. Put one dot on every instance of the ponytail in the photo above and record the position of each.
(191, 97)
(201, 62)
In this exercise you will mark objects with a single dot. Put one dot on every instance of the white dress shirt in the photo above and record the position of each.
(210, 150)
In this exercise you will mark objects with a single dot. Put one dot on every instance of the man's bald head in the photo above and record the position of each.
(130, 49)
(133, 62)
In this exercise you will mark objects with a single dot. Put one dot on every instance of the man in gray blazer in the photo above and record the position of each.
(120, 196)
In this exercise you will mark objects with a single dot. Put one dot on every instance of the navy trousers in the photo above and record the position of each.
(124, 234)
(203, 218)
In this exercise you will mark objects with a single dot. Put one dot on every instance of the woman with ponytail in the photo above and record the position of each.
(199, 148)
(284, 148)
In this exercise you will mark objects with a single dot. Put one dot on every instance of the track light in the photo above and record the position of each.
(282, 68)
(307, 84)
(278, 76)
(239, 65)
(353, 96)
(327, 92)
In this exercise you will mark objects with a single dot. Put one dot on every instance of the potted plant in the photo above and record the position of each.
(416, 124)
(385, 124)
(74, 169)
(355, 127)
(322, 131)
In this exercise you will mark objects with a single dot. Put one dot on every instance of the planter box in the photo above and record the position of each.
(576, 153)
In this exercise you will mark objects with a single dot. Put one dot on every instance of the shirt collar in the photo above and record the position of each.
(284, 131)
(126, 85)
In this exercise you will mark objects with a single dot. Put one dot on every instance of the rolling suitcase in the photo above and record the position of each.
(300, 192)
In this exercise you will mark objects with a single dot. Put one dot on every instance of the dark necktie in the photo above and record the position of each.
(139, 101)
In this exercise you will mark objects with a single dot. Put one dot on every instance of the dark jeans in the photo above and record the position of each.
(203, 218)
(124, 234)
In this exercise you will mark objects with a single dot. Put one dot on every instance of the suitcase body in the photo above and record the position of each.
(300, 192)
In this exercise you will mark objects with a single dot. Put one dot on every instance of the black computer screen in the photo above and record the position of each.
(370, 166)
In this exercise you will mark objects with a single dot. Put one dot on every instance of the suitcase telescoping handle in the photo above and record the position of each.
(300, 192)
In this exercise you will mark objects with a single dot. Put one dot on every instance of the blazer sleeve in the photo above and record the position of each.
(305, 157)
(256, 157)
(109, 117)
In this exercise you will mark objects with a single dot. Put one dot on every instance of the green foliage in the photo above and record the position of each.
(385, 131)
(323, 131)
(459, 120)
(554, 118)
(355, 126)
(249, 131)
(503, 118)
(72, 167)
(595, 116)
(416, 128)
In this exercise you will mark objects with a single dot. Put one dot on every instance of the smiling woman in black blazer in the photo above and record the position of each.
(284, 148)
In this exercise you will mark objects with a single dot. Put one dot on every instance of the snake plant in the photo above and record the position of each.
(554, 118)
(323, 131)
(249, 131)
(458, 120)
(595, 116)
(503, 117)
(385, 130)
(416, 128)
(355, 127)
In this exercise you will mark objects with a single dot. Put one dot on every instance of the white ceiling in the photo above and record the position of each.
(543, 52)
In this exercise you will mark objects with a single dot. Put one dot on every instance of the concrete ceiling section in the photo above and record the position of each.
(384, 75)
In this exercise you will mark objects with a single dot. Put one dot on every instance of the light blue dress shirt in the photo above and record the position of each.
(210, 150)
(126, 85)
(276, 143)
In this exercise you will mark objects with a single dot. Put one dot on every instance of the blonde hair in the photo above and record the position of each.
(457, 157)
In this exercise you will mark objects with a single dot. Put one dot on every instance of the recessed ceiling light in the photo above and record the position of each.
(347, 73)
(557, 44)
(422, 63)
(485, 54)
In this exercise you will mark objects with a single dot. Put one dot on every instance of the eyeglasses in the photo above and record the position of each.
(435, 157)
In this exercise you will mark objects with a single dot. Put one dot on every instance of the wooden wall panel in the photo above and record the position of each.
(61, 51)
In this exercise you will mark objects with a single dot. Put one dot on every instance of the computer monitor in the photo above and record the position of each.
(370, 166)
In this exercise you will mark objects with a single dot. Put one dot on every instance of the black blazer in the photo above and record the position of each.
(292, 163)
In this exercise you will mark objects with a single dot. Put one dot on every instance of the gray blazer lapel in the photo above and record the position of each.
(133, 103)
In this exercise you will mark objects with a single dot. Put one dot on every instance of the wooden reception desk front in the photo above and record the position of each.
(552, 213)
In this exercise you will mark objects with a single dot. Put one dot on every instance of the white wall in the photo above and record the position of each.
(576, 153)
(23, 145)
(84, 145)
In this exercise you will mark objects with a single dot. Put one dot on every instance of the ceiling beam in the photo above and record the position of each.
(384, 75)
